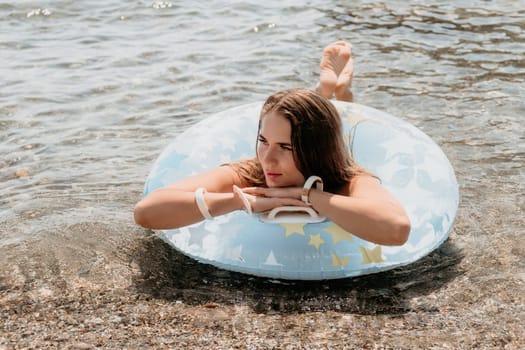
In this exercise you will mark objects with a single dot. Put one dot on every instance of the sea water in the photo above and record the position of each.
(92, 91)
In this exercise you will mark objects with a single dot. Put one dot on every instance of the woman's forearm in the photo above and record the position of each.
(169, 208)
(379, 222)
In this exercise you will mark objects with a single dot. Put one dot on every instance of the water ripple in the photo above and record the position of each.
(92, 91)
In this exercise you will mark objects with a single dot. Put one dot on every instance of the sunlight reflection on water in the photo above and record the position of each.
(92, 91)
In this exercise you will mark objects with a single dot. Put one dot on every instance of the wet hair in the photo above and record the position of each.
(317, 139)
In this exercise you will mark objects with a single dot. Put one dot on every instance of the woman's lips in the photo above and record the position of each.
(272, 175)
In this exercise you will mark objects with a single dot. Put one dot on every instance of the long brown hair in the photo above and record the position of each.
(317, 139)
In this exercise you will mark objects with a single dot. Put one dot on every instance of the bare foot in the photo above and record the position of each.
(343, 87)
(337, 67)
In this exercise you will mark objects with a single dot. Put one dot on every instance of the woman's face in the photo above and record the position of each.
(274, 151)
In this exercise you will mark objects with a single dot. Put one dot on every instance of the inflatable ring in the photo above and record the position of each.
(406, 160)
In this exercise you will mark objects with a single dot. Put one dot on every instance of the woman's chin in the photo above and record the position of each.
(274, 183)
(271, 184)
(281, 182)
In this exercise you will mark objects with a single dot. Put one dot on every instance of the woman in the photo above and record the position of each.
(299, 140)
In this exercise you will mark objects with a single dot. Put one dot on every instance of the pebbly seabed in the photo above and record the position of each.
(136, 291)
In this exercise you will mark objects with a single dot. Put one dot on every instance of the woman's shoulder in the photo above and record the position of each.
(248, 172)
(361, 182)
(220, 179)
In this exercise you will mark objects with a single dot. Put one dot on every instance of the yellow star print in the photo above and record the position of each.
(371, 255)
(292, 228)
(337, 261)
(316, 240)
(337, 233)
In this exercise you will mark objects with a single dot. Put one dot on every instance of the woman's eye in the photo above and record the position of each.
(262, 140)
(286, 147)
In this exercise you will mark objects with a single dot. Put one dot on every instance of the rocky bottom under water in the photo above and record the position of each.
(89, 287)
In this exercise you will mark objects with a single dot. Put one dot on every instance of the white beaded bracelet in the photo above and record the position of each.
(201, 203)
(245, 200)
(305, 195)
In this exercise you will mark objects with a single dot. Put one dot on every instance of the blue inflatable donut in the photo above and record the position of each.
(406, 160)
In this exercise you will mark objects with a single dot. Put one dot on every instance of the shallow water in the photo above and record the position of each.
(91, 92)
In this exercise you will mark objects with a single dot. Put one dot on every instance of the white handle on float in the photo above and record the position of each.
(291, 214)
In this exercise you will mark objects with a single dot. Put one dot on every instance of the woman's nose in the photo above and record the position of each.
(270, 155)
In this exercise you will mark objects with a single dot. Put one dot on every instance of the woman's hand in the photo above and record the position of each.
(263, 199)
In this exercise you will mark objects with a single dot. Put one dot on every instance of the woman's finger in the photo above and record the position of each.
(293, 202)
(277, 192)
(259, 203)
(254, 190)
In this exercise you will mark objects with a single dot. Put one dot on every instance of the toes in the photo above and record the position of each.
(336, 68)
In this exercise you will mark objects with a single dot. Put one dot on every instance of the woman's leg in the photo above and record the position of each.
(337, 67)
